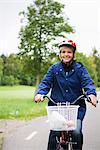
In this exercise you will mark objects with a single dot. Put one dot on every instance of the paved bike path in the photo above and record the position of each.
(34, 134)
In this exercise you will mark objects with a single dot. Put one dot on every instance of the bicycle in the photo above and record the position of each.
(67, 113)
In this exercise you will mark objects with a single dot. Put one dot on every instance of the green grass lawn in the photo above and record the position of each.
(17, 102)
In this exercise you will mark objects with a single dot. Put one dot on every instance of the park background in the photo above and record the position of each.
(30, 31)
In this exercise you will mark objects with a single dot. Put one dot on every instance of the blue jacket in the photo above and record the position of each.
(67, 86)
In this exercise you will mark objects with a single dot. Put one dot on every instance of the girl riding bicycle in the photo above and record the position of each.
(67, 80)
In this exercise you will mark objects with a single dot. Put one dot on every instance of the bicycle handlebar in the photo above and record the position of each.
(84, 96)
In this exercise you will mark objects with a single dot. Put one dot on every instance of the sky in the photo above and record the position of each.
(83, 17)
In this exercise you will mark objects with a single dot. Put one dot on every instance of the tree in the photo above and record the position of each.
(44, 22)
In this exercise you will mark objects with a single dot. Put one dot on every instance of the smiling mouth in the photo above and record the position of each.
(66, 60)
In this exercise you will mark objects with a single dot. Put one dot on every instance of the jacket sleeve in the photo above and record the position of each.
(86, 81)
(46, 83)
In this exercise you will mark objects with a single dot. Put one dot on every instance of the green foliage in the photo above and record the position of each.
(12, 66)
(27, 75)
(20, 70)
(9, 80)
(16, 70)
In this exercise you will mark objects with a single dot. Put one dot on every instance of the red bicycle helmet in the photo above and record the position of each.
(68, 42)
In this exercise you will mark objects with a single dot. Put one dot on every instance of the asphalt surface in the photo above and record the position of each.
(34, 135)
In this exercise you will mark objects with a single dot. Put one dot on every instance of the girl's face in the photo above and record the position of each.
(66, 54)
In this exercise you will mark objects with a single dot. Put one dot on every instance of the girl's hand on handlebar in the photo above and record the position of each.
(38, 98)
(93, 99)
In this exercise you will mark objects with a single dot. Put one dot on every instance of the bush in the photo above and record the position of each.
(9, 80)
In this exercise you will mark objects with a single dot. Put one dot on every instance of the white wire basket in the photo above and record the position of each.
(62, 118)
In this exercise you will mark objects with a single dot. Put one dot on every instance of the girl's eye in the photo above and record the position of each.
(69, 52)
(63, 52)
